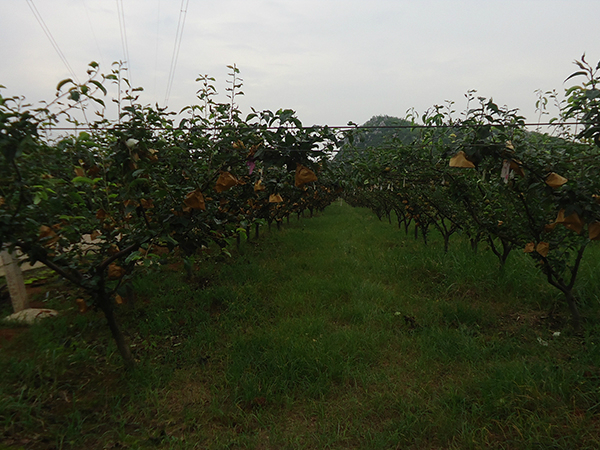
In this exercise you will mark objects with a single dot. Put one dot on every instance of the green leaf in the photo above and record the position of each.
(75, 197)
(98, 100)
(84, 180)
(576, 74)
(74, 95)
(62, 83)
(592, 94)
(99, 86)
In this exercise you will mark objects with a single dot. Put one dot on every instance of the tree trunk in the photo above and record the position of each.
(576, 317)
(123, 347)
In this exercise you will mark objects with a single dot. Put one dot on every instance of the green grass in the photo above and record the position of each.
(337, 332)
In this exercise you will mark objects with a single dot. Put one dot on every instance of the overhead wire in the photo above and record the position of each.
(365, 127)
(156, 47)
(176, 47)
(123, 30)
(87, 13)
(48, 34)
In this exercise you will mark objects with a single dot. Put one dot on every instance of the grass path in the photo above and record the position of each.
(337, 332)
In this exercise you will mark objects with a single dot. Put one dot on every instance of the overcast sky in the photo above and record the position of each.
(332, 61)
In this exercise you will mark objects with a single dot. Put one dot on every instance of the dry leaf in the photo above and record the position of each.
(93, 171)
(81, 305)
(113, 249)
(550, 227)
(275, 198)
(509, 145)
(237, 145)
(79, 171)
(2, 201)
(115, 272)
(225, 182)
(460, 160)
(304, 175)
(153, 154)
(543, 248)
(95, 234)
(529, 248)
(101, 214)
(48, 235)
(572, 221)
(119, 300)
(147, 204)
(194, 200)
(555, 180)
(258, 186)
(594, 231)
(516, 168)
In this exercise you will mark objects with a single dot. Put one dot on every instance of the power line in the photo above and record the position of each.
(48, 34)
(87, 13)
(176, 47)
(352, 127)
(156, 47)
(122, 29)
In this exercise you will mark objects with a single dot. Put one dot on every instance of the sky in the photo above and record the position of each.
(332, 61)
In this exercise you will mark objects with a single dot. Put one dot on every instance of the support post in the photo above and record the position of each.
(14, 280)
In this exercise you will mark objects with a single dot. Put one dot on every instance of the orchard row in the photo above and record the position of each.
(484, 175)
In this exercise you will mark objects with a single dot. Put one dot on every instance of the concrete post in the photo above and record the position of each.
(14, 280)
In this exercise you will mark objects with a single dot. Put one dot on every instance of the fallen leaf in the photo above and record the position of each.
(48, 235)
(115, 272)
(147, 204)
(81, 305)
(113, 249)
